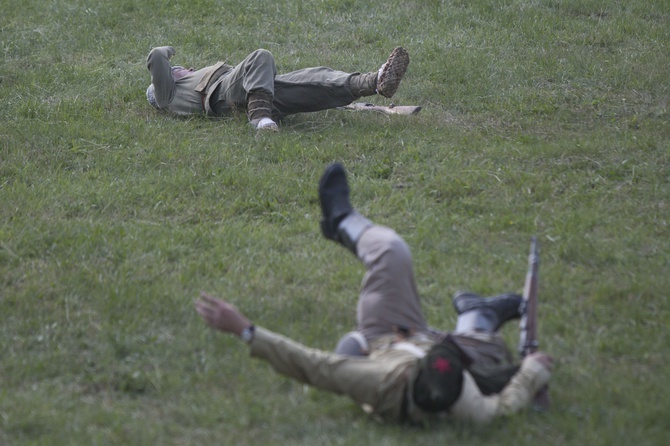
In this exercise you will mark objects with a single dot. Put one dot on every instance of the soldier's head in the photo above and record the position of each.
(151, 97)
(439, 377)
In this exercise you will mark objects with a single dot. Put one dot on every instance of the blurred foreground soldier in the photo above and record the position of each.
(394, 365)
(255, 87)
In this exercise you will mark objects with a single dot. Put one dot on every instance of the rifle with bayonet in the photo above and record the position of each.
(528, 342)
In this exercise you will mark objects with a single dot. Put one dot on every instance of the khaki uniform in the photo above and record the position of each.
(382, 381)
(220, 89)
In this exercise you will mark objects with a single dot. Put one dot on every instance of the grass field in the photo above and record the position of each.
(545, 118)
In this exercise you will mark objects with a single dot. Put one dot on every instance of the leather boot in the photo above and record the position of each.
(487, 313)
(391, 73)
(340, 222)
(384, 81)
(334, 199)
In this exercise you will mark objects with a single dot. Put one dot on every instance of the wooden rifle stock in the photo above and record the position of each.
(528, 342)
(389, 110)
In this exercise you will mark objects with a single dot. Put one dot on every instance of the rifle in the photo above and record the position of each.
(389, 110)
(528, 342)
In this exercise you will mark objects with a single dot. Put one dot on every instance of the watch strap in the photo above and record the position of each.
(248, 334)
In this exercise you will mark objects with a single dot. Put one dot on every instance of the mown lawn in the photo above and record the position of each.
(539, 118)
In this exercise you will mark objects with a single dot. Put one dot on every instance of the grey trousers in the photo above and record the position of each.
(389, 299)
(301, 91)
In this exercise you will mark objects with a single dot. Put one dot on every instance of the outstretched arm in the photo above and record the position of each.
(365, 380)
(158, 64)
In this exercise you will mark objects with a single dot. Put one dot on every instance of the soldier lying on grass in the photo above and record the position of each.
(253, 85)
(394, 365)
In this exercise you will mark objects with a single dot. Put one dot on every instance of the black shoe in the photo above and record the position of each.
(334, 198)
(503, 307)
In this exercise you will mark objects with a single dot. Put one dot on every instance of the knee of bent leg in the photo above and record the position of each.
(263, 55)
(381, 245)
(263, 59)
(398, 250)
(352, 344)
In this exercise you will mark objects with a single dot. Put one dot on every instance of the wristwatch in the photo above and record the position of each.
(248, 334)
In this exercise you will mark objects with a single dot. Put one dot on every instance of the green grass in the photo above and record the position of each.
(540, 118)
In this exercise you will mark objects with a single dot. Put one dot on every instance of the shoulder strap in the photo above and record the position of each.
(213, 74)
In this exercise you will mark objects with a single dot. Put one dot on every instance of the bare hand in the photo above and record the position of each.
(221, 315)
(544, 359)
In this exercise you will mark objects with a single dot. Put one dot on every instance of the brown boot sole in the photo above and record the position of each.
(392, 72)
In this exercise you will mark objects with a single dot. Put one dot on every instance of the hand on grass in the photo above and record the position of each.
(221, 315)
